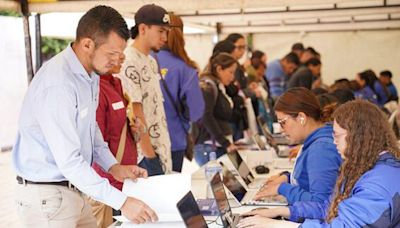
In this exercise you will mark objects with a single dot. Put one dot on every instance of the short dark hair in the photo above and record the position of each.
(342, 83)
(298, 46)
(257, 54)
(318, 91)
(313, 61)
(312, 51)
(343, 95)
(224, 46)
(98, 22)
(341, 80)
(386, 73)
(292, 58)
(326, 99)
(257, 63)
(233, 37)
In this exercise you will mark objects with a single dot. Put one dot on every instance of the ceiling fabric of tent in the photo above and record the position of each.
(251, 16)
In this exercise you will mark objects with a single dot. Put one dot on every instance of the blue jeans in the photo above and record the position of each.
(177, 160)
(202, 151)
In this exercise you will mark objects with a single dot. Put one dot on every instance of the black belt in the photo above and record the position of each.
(59, 183)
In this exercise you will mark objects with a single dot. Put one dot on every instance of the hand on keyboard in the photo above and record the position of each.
(267, 190)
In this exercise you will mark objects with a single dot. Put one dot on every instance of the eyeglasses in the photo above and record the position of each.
(240, 46)
(282, 122)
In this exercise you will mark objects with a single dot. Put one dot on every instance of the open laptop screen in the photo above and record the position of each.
(222, 201)
(190, 212)
(260, 144)
(234, 186)
(268, 136)
(241, 167)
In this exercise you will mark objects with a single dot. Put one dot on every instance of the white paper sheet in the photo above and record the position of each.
(147, 225)
(161, 193)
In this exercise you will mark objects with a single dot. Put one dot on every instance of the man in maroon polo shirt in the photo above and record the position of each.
(111, 118)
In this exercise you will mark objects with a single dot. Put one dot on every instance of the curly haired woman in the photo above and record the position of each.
(367, 192)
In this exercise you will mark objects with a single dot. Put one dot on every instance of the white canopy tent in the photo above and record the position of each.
(351, 35)
(250, 16)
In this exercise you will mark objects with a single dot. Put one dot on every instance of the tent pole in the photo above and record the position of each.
(28, 52)
(38, 45)
(218, 28)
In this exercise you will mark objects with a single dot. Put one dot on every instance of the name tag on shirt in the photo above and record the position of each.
(118, 105)
(83, 113)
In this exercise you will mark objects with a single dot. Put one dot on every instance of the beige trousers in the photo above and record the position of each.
(55, 206)
(102, 212)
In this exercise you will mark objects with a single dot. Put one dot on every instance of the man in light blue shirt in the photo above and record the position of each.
(278, 72)
(58, 137)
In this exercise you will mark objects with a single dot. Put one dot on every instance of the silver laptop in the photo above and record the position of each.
(281, 151)
(279, 138)
(259, 142)
(245, 197)
(244, 171)
(228, 219)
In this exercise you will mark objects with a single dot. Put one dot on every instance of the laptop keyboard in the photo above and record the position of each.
(272, 200)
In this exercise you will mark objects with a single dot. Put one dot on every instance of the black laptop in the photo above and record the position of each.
(190, 212)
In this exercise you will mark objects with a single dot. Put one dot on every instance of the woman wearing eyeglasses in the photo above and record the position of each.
(317, 164)
(367, 192)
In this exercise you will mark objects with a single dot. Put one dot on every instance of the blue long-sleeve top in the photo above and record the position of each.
(183, 83)
(374, 201)
(381, 92)
(367, 93)
(316, 168)
(392, 91)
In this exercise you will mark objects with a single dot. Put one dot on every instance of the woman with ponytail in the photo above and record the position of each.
(213, 132)
(317, 164)
(183, 100)
(367, 192)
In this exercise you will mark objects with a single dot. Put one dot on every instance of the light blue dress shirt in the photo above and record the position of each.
(276, 78)
(58, 136)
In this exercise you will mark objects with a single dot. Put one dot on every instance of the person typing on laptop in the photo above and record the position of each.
(366, 194)
(317, 165)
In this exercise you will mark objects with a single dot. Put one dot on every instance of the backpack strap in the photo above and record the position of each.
(214, 87)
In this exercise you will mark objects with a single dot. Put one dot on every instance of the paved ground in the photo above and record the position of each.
(8, 217)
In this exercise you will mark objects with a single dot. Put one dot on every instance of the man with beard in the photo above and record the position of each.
(58, 137)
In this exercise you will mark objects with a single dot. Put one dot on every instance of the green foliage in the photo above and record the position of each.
(10, 13)
(52, 46)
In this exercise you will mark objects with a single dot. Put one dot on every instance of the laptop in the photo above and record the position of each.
(259, 142)
(245, 197)
(190, 212)
(279, 138)
(282, 151)
(244, 171)
(228, 219)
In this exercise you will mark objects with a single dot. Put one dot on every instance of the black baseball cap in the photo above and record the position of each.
(150, 14)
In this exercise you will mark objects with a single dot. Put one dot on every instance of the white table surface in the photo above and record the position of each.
(199, 186)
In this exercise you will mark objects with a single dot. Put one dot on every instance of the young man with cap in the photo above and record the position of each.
(58, 137)
(140, 79)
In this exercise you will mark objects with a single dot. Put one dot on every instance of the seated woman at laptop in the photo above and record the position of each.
(317, 164)
(367, 192)
(213, 131)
